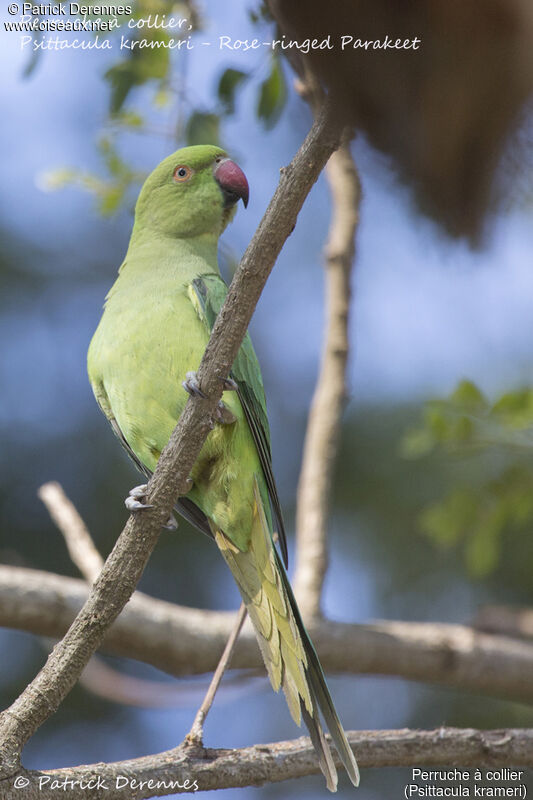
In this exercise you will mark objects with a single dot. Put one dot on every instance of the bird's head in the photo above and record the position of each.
(192, 192)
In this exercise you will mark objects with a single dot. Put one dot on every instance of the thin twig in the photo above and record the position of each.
(104, 681)
(125, 564)
(183, 770)
(324, 424)
(195, 735)
(79, 543)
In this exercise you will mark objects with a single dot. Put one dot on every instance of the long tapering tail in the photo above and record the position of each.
(287, 650)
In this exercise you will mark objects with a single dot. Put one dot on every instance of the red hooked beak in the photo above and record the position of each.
(232, 182)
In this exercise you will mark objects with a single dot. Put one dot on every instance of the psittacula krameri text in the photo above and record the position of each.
(152, 335)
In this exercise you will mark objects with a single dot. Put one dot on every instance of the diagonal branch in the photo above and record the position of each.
(80, 545)
(179, 770)
(184, 641)
(98, 677)
(125, 564)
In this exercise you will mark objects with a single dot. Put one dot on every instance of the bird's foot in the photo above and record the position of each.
(223, 415)
(171, 524)
(229, 385)
(191, 385)
(135, 501)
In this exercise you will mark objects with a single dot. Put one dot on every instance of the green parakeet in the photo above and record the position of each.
(152, 335)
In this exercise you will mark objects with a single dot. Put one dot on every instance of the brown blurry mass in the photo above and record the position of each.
(445, 112)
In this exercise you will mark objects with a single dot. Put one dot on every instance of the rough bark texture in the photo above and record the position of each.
(505, 620)
(254, 766)
(79, 543)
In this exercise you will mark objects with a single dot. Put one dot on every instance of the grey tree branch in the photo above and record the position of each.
(183, 769)
(324, 424)
(128, 559)
(97, 677)
(506, 621)
(79, 543)
(184, 641)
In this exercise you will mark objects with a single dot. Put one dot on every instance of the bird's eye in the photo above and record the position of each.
(182, 173)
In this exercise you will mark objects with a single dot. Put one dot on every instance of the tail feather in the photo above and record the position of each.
(287, 650)
(320, 693)
(318, 740)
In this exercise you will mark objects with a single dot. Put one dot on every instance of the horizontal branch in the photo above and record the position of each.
(184, 641)
(505, 620)
(182, 769)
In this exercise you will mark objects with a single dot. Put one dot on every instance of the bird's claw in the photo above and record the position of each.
(223, 415)
(171, 524)
(135, 498)
(191, 385)
(229, 385)
(139, 491)
(135, 502)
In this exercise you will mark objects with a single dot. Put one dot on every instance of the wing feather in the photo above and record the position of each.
(207, 294)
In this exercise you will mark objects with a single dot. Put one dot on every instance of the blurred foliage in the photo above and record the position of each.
(228, 83)
(110, 192)
(272, 95)
(138, 67)
(163, 70)
(202, 127)
(479, 517)
(149, 63)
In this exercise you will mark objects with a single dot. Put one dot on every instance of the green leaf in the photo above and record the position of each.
(114, 163)
(468, 396)
(515, 409)
(202, 128)
(483, 546)
(437, 423)
(462, 430)
(129, 119)
(272, 95)
(417, 442)
(140, 66)
(229, 82)
(111, 200)
(163, 98)
(446, 522)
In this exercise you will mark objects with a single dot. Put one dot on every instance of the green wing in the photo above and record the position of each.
(207, 294)
(184, 506)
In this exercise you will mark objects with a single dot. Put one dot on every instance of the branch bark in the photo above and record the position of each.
(80, 545)
(97, 677)
(324, 424)
(130, 555)
(182, 769)
(505, 621)
(185, 641)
